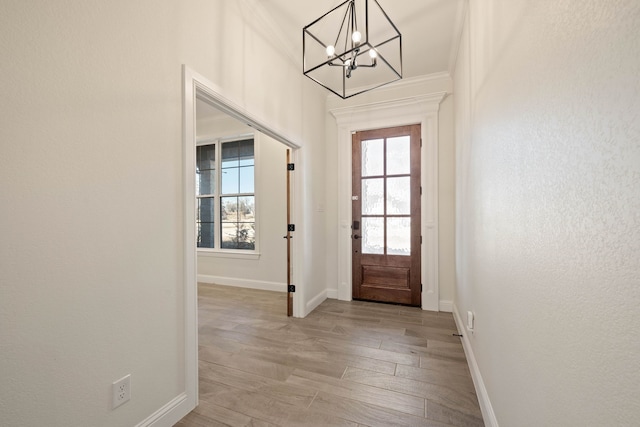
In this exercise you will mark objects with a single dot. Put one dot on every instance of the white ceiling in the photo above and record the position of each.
(430, 28)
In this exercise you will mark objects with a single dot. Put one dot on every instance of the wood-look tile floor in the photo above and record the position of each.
(345, 364)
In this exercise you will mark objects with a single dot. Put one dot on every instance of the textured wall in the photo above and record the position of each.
(548, 207)
(91, 198)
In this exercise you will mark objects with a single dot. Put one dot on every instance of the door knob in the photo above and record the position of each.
(356, 236)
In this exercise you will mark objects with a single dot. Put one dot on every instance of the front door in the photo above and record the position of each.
(386, 215)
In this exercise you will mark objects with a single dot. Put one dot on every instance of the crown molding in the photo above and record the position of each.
(411, 82)
(422, 103)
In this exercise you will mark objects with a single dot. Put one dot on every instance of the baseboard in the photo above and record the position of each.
(332, 293)
(481, 391)
(243, 283)
(169, 414)
(315, 301)
(445, 305)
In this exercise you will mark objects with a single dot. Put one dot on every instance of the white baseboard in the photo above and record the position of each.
(481, 391)
(169, 414)
(243, 283)
(315, 301)
(446, 306)
(332, 293)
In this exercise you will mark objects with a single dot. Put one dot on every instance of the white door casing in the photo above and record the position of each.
(418, 109)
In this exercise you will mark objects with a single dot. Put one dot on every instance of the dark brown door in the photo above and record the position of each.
(386, 215)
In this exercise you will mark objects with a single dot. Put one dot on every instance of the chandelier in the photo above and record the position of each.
(352, 49)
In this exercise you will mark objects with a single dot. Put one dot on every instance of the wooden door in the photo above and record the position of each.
(386, 215)
(289, 236)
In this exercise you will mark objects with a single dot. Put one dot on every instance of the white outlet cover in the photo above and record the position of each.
(121, 391)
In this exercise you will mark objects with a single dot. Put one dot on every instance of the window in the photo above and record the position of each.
(225, 191)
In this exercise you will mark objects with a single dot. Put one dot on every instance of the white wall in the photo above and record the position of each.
(446, 204)
(548, 199)
(309, 182)
(91, 259)
(269, 270)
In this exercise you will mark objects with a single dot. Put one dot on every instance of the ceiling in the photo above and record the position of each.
(430, 28)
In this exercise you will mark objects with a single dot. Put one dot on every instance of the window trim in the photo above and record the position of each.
(218, 251)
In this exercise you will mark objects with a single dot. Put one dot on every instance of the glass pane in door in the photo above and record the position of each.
(372, 235)
(399, 196)
(373, 157)
(398, 155)
(373, 196)
(399, 236)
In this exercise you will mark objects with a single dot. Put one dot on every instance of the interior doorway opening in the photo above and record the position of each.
(197, 88)
(241, 203)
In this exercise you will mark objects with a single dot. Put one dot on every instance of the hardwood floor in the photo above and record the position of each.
(346, 364)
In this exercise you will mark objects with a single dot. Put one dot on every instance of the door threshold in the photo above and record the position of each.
(386, 302)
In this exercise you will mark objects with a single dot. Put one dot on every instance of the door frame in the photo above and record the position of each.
(194, 85)
(420, 109)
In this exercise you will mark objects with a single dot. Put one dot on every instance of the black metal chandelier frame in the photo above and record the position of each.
(354, 47)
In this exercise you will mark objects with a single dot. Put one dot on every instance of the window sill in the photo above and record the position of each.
(229, 254)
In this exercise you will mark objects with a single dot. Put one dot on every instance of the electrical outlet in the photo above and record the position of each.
(121, 391)
(470, 321)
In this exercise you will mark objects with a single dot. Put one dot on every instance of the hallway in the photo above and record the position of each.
(347, 363)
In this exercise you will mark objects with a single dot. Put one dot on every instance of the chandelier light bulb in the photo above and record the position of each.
(373, 54)
(331, 50)
(356, 36)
